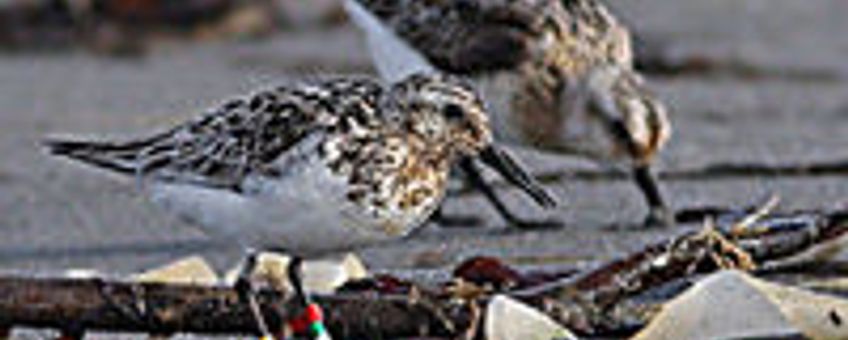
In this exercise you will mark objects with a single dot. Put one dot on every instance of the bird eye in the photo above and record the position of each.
(453, 112)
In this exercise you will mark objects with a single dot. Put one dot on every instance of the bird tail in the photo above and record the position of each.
(120, 157)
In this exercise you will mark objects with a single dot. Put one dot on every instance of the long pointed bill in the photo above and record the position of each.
(513, 172)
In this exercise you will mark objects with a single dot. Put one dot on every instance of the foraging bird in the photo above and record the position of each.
(316, 168)
(558, 74)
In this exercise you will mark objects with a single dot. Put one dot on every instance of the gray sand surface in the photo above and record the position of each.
(56, 215)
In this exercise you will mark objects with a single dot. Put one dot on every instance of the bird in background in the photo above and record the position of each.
(312, 169)
(557, 74)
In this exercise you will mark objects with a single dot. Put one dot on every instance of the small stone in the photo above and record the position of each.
(354, 267)
(189, 270)
(508, 319)
(81, 273)
(733, 304)
(816, 316)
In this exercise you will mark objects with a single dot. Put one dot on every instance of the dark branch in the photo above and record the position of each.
(581, 303)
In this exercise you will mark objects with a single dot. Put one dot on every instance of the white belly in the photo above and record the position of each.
(305, 212)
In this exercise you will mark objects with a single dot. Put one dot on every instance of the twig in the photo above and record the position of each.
(94, 304)
(584, 303)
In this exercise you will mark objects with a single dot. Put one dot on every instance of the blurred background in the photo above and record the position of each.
(751, 83)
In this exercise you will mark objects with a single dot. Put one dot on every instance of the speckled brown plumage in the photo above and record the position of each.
(558, 74)
(478, 36)
(312, 167)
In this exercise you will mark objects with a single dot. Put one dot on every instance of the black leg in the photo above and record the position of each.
(314, 324)
(475, 178)
(244, 287)
(659, 214)
(295, 273)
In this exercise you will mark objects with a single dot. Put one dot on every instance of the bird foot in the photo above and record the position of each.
(659, 218)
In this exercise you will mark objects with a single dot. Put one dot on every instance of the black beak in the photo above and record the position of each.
(513, 172)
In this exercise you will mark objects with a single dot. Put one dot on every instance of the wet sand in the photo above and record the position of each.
(57, 215)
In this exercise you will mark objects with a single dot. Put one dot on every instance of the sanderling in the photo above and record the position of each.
(315, 168)
(557, 73)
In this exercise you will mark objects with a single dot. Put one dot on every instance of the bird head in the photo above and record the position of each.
(616, 119)
(450, 117)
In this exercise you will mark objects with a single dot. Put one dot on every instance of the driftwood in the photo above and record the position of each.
(580, 302)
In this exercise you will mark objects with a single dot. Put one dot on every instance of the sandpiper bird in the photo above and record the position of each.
(557, 73)
(315, 168)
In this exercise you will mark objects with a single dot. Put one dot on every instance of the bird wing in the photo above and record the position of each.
(470, 37)
(463, 37)
(225, 145)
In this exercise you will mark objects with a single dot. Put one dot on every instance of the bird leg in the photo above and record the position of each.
(309, 323)
(246, 290)
(659, 215)
(295, 274)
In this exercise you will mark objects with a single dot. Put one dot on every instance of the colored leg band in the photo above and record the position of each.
(309, 321)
